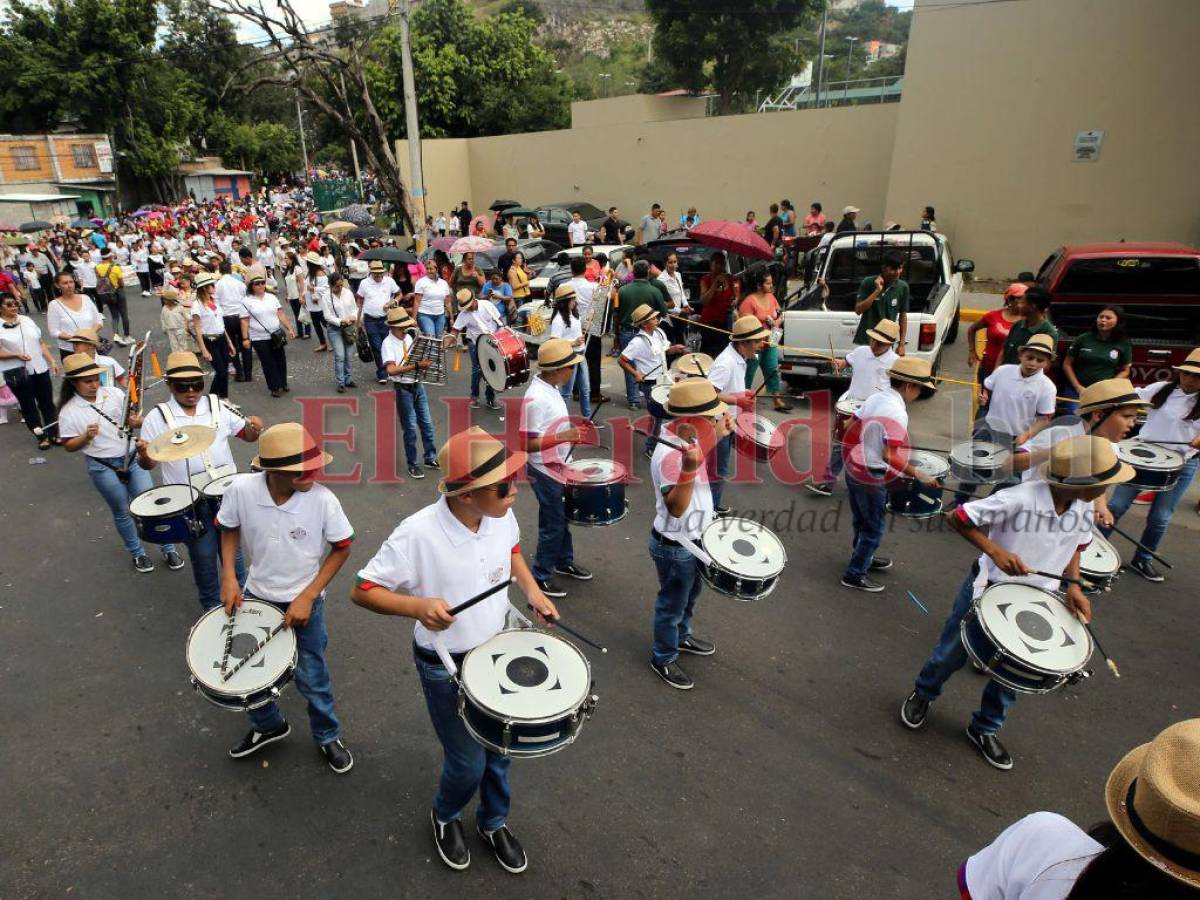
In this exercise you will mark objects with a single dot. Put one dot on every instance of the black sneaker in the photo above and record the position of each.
(255, 741)
(415, 472)
(861, 583)
(451, 845)
(914, 710)
(821, 488)
(174, 560)
(381, 381)
(550, 588)
(474, 404)
(432, 464)
(509, 852)
(1146, 569)
(341, 389)
(880, 564)
(338, 757)
(721, 511)
(142, 564)
(673, 675)
(579, 573)
(991, 749)
(697, 646)
(351, 384)
(492, 404)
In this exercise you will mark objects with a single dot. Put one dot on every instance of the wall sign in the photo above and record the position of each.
(1087, 145)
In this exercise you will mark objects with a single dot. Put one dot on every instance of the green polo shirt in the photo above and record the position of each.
(636, 293)
(890, 304)
(1095, 359)
(1020, 334)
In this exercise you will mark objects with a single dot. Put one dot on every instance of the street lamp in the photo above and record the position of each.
(607, 76)
(849, 58)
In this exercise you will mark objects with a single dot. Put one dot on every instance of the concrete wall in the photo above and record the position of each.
(993, 97)
(447, 170)
(635, 108)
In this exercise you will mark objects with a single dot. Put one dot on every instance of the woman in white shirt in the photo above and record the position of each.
(265, 327)
(433, 301)
(70, 313)
(208, 326)
(293, 280)
(564, 323)
(340, 312)
(26, 363)
(316, 289)
(141, 265)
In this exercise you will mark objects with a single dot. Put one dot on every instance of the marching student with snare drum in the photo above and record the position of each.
(464, 544)
(644, 358)
(412, 403)
(476, 317)
(189, 405)
(728, 376)
(298, 538)
(1037, 526)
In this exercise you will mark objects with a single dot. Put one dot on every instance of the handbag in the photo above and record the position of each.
(278, 337)
(363, 346)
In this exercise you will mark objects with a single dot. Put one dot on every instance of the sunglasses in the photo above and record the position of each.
(504, 488)
(184, 386)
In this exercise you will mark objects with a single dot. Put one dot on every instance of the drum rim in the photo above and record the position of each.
(204, 492)
(731, 519)
(741, 598)
(916, 454)
(515, 750)
(521, 720)
(222, 692)
(165, 488)
(773, 438)
(977, 610)
(1166, 465)
(850, 410)
(1104, 542)
(995, 461)
(619, 472)
(1059, 678)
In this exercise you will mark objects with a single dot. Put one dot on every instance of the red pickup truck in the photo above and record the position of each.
(1158, 285)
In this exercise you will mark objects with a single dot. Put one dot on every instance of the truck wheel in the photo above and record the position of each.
(952, 334)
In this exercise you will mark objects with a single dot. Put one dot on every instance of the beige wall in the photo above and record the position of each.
(635, 108)
(993, 97)
(447, 171)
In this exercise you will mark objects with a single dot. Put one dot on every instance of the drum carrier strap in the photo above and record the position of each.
(214, 413)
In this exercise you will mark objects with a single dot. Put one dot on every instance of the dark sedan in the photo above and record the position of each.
(555, 217)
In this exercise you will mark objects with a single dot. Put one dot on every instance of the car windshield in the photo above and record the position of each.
(1133, 276)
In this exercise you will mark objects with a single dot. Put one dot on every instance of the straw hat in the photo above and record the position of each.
(694, 397)
(1190, 365)
(80, 365)
(398, 317)
(642, 314)
(1084, 461)
(914, 371)
(1153, 798)
(375, 266)
(885, 330)
(693, 365)
(288, 447)
(312, 257)
(748, 328)
(85, 336)
(256, 279)
(464, 297)
(205, 279)
(183, 364)
(473, 459)
(557, 353)
(563, 291)
(169, 293)
(1109, 394)
(1040, 343)
(846, 210)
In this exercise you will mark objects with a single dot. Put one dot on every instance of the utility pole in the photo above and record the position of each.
(353, 146)
(821, 52)
(413, 128)
(303, 144)
(849, 59)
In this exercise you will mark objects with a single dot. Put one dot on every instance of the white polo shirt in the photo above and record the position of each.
(883, 406)
(484, 319)
(571, 331)
(1015, 401)
(229, 294)
(1047, 438)
(665, 467)
(226, 422)
(211, 323)
(433, 294)
(287, 543)
(1022, 520)
(869, 372)
(1170, 421)
(728, 373)
(542, 408)
(648, 353)
(432, 554)
(262, 315)
(577, 231)
(78, 414)
(395, 350)
(1039, 857)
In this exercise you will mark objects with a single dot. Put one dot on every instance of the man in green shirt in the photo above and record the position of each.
(1035, 306)
(884, 296)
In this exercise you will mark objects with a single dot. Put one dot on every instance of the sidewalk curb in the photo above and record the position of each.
(971, 315)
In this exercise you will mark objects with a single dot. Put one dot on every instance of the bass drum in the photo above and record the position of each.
(168, 514)
(503, 359)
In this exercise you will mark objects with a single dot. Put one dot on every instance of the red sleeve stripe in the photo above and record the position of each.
(962, 882)
(962, 516)
(342, 544)
(365, 585)
(516, 548)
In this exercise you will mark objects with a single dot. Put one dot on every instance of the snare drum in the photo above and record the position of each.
(657, 404)
(503, 359)
(1100, 564)
(168, 514)
(1157, 467)
(848, 406)
(757, 436)
(525, 693)
(747, 558)
(258, 682)
(594, 491)
(212, 487)
(1025, 638)
(911, 498)
(980, 462)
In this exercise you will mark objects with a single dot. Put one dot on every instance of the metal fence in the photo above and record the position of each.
(334, 193)
(836, 93)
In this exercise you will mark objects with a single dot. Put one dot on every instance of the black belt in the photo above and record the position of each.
(369, 316)
(662, 539)
(429, 656)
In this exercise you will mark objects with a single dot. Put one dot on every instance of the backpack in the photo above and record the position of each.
(105, 290)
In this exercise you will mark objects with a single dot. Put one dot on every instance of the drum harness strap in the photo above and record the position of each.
(214, 411)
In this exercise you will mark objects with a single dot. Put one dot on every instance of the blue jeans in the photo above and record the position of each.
(467, 765)
(477, 376)
(579, 379)
(867, 516)
(431, 324)
(1159, 516)
(312, 681)
(631, 386)
(412, 404)
(645, 388)
(679, 585)
(205, 553)
(118, 497)
(724, 469)
(377, 332)
(554, 546)
(342, 351)
(949, 656)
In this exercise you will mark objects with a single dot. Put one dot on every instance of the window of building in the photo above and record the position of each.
(25, 158)
(84, 156)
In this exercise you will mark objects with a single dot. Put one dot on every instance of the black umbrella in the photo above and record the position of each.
(390, 254)
(520, 211)
(35, 225)
(503, 204)
(366, 232)
(358, 214)
(82, 223)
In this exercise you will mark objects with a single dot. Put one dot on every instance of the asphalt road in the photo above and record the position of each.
(785, 773)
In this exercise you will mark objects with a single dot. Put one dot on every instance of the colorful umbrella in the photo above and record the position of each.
(471, 244)
(733, 237)
(476, 231)
(442, 243)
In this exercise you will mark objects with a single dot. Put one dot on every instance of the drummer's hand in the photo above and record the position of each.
(926, 479)
(424, 364)
(1009, 563)
(1104, 517)
(568, 436)
(231, 595)
(723, 425)
(298, 611)
(838, 364)
(435, 614)
(448, 340)
(135, 421)
(693, 458)
(92, 430)
(546, 611)
(1078, 603)
(141, 446)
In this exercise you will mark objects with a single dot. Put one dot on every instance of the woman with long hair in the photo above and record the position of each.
(70, 312)
(518, 280)
(26, 363)
(293, 281)
(564, 323)
(264, 326)
(763, 306)
(316, 291)
(1102, 352)
(208, 328)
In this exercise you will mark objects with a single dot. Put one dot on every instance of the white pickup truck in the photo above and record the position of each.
(823, 314)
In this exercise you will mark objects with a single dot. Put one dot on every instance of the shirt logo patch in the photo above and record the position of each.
(495, 575)
(298, 534)
(1112, 354)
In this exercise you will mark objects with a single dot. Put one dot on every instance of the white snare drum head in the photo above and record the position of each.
(255, 620)
(594, 471)
(1099, 557)
(848, 406)
(660, 393)
(758, 429)
(931, 464)
(206, 477)
(526, 675)
(215, 488)
(979, 453)
(744, 547)
(1034, 626)
(165, 500)
(1142, 455)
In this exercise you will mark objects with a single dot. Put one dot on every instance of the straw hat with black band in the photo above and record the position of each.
(473, 459)
(914, 371)
(85, 336)
(205, 279)
(314, 259)
(643, 314)
(183, 364)
(1083, 462)
(1191, 365)
(563, 291)
(375, 267)
(694, 397)
(749, 328)
(557, 353)
(885, 330)
(80, 365)
(1109, 394)
(397, 317)
(465, 298)
(288, 447)
(1039, 343)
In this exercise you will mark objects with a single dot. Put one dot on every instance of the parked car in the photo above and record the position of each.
(555, 217)
(561, 260)
(823, 316)
(539, 252)
(695, 260)
(1157, 284)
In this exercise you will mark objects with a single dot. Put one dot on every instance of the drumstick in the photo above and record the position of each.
(557, 623)
(228, 642)
(663, 441)
(1141, 546)
(595, 409)
(766, 375)
(482, 595)
(1067, 578)
(921, 606)
(1108, 660)
(253, 653)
